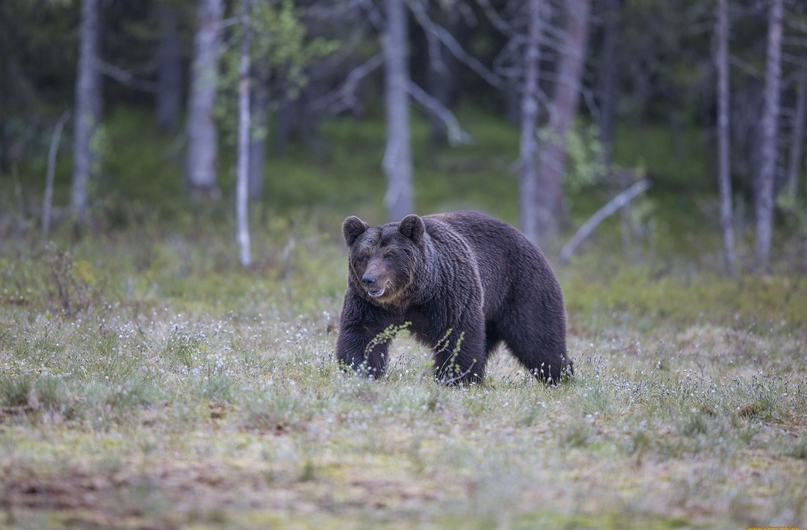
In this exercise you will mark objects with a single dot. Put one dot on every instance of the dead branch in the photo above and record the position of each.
(344, 97)
(456, 134)
(452, 45)
(503, 26)
(125, 78)
(603, 213)
(52, 151)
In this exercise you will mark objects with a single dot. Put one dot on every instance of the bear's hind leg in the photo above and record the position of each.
(539, 346)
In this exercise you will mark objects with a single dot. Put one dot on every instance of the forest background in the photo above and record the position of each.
(173, 175)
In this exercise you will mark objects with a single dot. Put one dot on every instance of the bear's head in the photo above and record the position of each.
(384, 260)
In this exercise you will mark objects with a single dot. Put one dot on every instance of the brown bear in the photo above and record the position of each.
(462, 282)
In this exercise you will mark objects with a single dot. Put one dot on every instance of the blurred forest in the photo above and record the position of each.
(686, 116)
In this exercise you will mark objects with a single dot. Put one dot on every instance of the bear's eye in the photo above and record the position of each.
(389, 254)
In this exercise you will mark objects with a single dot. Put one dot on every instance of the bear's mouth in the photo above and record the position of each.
(376, 293)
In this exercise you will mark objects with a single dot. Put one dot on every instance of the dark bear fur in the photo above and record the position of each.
(464, 282)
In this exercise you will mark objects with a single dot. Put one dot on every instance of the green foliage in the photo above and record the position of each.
(585, 154)
(280, 41)
(386, 336)
(280, 49)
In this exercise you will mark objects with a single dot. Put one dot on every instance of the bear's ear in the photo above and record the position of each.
(352, 228)
(412, 227)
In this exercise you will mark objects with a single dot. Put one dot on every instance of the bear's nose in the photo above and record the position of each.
(368, 279)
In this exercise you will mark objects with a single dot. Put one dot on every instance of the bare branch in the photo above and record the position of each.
(344, 97)
(452, 45)
(123, 77)
(335, 10)
(603, 213)
(496, 21)
(456, 134)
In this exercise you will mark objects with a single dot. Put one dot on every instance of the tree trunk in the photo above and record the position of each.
(169, 69)
(202, 132)
(770, 115)
(551, 204)
(528, 145)
(442, 67)
(608, 78)
(286, 116)
(397, 156)
(260, 124)
(723, 135)
(242, 185)
(797, 135)
(88, 109)
(50, 174)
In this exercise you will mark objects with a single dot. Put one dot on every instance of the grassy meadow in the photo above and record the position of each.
(147, 381)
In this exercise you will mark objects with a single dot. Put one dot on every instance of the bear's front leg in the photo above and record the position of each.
(459, 354)
(361, 345)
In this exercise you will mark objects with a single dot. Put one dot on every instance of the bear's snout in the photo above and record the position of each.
(372, 285)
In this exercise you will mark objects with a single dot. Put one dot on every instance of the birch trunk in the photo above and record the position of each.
(242, 184)
(202, 132)
(551, 203)
(397, 156)
(770, 115)
(528, 145)
(723, 135)
(88, 109)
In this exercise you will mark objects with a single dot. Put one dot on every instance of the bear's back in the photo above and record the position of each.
(505, 258)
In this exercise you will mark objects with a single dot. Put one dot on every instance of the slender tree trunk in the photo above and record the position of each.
(202, 132)
(770, 115)
(552, 167)
(442, 67)
(88, 109)
(723, 134)
(169, 69)
(398, 156)
(797, 137)
(242, 185)
(51, 171)
(608, 78)
(285, 117)
(528, 145)
(260, 123)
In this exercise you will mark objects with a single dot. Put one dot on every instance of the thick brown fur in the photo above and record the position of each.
(463, 282)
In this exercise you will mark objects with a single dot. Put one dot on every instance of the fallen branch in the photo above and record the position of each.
(52, 151)
(594, 221)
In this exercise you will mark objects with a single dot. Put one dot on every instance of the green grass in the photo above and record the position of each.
(147, 381)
